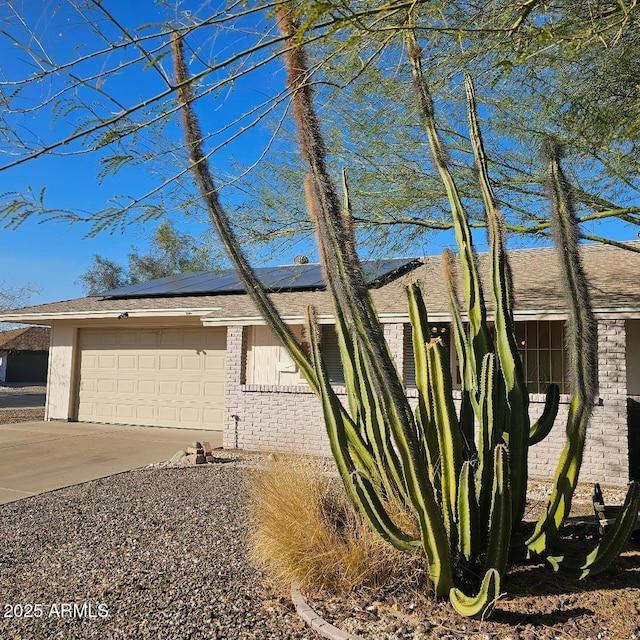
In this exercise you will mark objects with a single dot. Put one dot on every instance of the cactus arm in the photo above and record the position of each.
(374, 512)
(482, 605)
(474, 300)
(350, 294)
(343, 436)
(541, 428)
(342, 432)
(336, 241)
(500, 519)
(487, 437)
(466, 360)
(468, 520)
(581, 334)
(565, 481)
(510, 363)
(445, 420)
(424, 417)
(220, 220)
(582, 348)
(376, 430)
(366, 408)
(610, 546)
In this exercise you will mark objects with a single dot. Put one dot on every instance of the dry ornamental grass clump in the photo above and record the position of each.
(304, 530)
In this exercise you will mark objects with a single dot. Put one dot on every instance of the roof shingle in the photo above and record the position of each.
(613, 275)
(25, 339)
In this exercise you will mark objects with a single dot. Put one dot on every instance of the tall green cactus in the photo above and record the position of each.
(467, 497)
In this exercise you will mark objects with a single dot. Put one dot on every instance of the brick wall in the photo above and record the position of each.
(290, 418)
(261, 417)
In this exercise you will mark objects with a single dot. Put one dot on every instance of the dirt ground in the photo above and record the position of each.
(537, 603)
(11, 416)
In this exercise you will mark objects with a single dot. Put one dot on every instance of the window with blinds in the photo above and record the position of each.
(541, 346)
(542, 349)
(331, 353)
(441, 331)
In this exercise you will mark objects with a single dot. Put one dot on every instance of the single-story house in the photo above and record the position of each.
(24, 354)
(192, 351)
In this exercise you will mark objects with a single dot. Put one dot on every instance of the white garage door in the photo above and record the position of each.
(152, 377)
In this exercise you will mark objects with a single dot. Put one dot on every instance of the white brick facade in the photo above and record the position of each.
(290, 418)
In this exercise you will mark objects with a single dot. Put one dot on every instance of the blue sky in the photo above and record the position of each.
(52, 255)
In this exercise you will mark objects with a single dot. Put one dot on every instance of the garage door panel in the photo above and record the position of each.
(108, 339)
(168, 388)
(107, 362)
(191, 414)
(147, 387)
(105, 409)
(106, 385)
(145, 414)
(168, 414)
(214, 388)
(125, 412)
(216, 340)
(127, 339)
(127, 362)
(191, 363)
(171, 338)
(214, 362)
(213, 415)
(126, 386)
(191, 389)
(153, 377)
(169, 362)
(147, 361)
(149, 338)
(91, 361)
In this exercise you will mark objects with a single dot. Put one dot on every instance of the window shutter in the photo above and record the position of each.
(331, 353)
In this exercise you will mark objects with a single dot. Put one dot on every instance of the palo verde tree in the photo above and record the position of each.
(75, 71)
(467, 492)
(564, 68)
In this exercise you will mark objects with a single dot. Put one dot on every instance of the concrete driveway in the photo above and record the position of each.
(36, 457)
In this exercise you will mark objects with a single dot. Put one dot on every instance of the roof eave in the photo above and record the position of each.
(205, 314)
(46, 318)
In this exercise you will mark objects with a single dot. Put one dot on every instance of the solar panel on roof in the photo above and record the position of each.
(285, 278)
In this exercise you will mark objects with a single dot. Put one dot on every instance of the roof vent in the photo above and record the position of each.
(301, 260)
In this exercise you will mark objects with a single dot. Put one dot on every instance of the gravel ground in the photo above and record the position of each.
(153, 553)
(22, 387)
(11, 416)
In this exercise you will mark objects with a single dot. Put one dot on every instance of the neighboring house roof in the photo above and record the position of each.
(25, 339)
(612, 274)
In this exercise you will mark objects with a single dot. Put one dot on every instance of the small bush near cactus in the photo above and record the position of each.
(303, 529)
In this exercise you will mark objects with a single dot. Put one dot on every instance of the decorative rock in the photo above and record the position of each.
(189, 460)
(177, 457)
